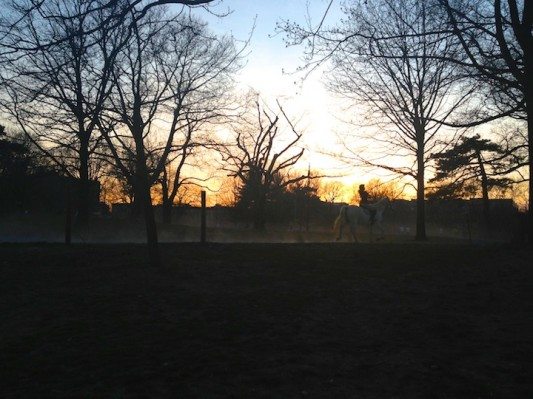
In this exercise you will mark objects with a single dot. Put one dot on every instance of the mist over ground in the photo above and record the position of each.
(34, 228)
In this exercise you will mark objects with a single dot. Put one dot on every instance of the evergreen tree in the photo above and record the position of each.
(474, 165)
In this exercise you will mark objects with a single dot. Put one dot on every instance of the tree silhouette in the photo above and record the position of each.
(496, 37)
(378, 189)
(55, 94)
(331, 191)
(172, 68)
(386, 58)
(14, 41)
(472, 165)
(260, 159)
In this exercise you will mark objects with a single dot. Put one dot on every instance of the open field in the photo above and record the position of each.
(267, 321)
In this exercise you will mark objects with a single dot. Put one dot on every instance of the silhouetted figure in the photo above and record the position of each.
(365, 203)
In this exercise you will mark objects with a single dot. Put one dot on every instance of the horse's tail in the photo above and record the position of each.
(338, 222)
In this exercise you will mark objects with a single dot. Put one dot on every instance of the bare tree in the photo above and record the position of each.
(114, 190)
(378, 189)
(387, 60)
(227, 192)
(260, 156)
(496, 36)
(13, 40)
(209, 106)
(331, 191)
(170, 67)
(56, 94)
(172, 179)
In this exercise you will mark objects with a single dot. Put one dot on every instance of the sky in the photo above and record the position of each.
(270, 69)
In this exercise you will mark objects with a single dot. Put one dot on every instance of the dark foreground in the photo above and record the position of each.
(266, 321)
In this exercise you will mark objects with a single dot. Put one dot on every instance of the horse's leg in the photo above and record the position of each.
(352, 231)
(337, 228)
(340, 231)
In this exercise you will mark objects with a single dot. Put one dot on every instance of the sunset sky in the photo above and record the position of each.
(270, 69)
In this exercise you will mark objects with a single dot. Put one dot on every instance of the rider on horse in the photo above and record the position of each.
(365, 203)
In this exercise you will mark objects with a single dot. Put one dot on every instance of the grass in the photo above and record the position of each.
(266, 321)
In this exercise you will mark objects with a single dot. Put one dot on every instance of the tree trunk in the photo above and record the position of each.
(420, 199)
(529, 110)
(151, 228)
(259, 214)
(484, 190)
(145, 201)
(167, 211)
(528, 94)
(68, 215)
(135, 208)
(168, 199)
(84, 195)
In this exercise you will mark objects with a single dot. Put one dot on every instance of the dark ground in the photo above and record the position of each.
(267, 321)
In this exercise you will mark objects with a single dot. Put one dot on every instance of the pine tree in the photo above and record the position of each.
(473, 165)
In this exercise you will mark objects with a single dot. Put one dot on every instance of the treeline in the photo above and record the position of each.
(142, 94)
(29, 183)
(421, 75)
(128, 92)
(114, 89)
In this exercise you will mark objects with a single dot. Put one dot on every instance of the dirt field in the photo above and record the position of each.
(267, 321)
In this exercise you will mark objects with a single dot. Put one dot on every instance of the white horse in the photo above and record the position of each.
(352, 215)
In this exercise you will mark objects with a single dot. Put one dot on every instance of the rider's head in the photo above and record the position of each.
(361, 187)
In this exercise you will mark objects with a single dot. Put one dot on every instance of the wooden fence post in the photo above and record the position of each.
(203, 221)
(68, 216)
